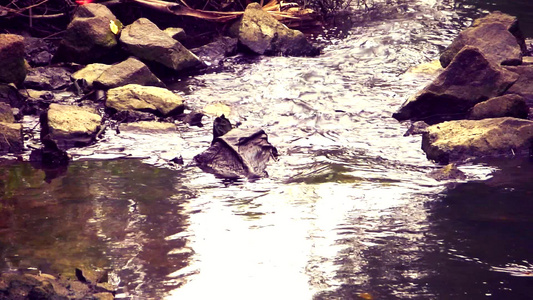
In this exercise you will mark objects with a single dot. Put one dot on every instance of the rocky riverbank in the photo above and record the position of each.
(481, 103)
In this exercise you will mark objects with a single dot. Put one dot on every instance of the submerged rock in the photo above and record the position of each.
(11, 138)
(88, 37)
(263, 34)
(134, 97)
(213, 53)
(492, 37)
(460, 140)
(146, 41)
(49, 156)
(12, 63)
(448, 172)
(70, 126)
(504, 106)
(148, 127)
(130, 71)
(468, 80)
(239, 152)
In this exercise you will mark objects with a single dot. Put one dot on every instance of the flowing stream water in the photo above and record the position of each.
(348, 211)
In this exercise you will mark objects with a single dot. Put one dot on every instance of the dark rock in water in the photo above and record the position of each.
(523, 86)
(418, 127)
(492, 38)
(448, 172)
(213, 53)
(239, 152)
(221, 126)
(48, 78)
(38, 51)
(193, 118)
(468, 80)
(52, 160)
(457, 141)
(263, 34)
(510, 105)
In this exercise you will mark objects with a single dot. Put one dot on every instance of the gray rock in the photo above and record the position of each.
(146, 41)
(524, 85)
(238, 153)
(91, 10)
(263, 34)
(134, 97)
(48, 78)
(176, 33)
(130, 71)
(89, 74)
(11, 138)
(213, 53)
(70, 126)
(6, 113)
(503, 106)
(464, 139)
(492, 39)
(468, 80)
(38, 51)
(86, 40)
(510, 23)
(12, 64)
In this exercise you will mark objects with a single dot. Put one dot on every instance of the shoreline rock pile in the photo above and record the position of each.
(121, 68)
(480, 104)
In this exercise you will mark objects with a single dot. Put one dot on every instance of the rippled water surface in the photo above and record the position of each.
(347, 212)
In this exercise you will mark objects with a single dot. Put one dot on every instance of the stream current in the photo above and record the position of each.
(347, 212)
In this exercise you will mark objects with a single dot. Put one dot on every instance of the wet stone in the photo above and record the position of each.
(48, 78)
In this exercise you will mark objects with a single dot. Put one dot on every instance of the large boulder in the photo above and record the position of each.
(504, 106)
(146, 41)
(497, 36)
(70, 126)
(263, 34)
(510, 22)
(130, 71)
(48, 78)
(492, 39)
(470, 78)
(88, 37)
(464, 139)
(134, 97)
(238, 153)
(11, 138)
(524, 85)
(12, 64)
(91, 10)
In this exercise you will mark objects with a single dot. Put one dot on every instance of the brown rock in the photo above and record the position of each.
(11, 138)
(464, 139)
(468, 80)
(504, 106)
(12, 64)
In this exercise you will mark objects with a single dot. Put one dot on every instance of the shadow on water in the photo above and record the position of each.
(113, 215)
